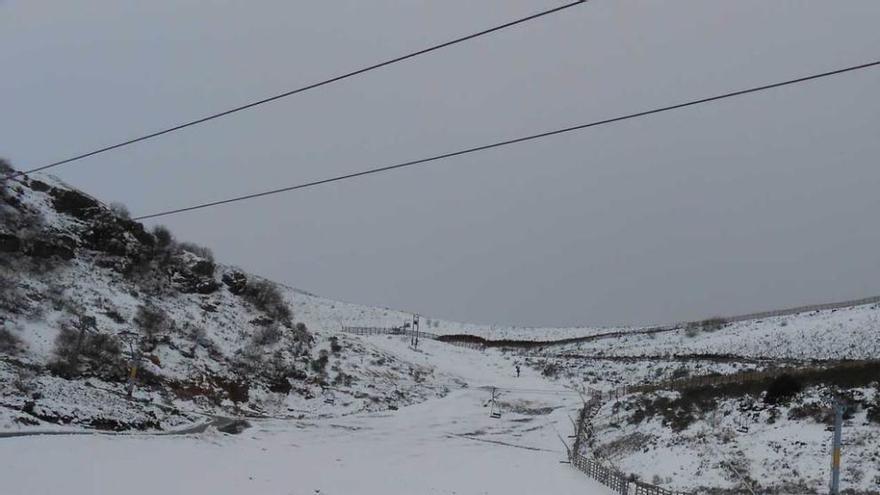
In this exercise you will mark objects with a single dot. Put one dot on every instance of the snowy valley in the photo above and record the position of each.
(243, 385)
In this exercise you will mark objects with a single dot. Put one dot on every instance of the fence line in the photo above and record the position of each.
(407, 332)
(612, 478)
(805, 309)
(617, 481)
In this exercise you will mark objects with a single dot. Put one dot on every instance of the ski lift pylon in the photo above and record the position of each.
(494, 410)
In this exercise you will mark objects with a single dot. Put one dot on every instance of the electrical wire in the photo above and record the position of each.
(508, 142)
(296, 91)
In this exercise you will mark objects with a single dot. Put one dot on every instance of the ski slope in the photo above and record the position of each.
(440, 446)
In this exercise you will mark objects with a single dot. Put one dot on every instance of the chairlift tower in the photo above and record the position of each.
(835, 453)
(131, 339)
(415, 331)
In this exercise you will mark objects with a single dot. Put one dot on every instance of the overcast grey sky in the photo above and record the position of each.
(755, 203)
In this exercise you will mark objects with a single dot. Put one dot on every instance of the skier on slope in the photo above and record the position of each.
(517, 371)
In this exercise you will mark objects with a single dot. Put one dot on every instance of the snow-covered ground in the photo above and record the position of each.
(348, 414)
(845, 333)
(448, 445)
(330, 314)
(775, 446)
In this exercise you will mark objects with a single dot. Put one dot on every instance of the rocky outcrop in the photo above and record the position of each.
(40, 186)
(61, 247)
(195, 275)
(74, 203)
(235, 281)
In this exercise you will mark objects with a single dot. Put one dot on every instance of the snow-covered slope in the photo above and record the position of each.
(85, 292)
(331, 314)
(442, 446)
(845, 333)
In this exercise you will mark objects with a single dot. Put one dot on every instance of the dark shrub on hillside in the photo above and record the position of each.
(874, 409)
(267, 335)
(268, 299)
(551, 370)
(103, 348)
(203, 268)
(6, 167)
(713, 324)
(74, 203)
(320, 364)
(335, 347)
(152, 322)
(692, 329)
(248, 360)
(200, 251)
(782, 389)
(67, 350)
(236, 281)
(79, 348)
(9, 342)
(301, 331)
(164, 238)
(120, 210)
(874, 412)
(343, 379)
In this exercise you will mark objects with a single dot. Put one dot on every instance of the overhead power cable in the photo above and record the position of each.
(297, 90)
(507, 142)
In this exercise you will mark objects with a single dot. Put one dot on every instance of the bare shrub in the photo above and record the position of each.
(67, 351)
(200, 336)
(78, 351)
(551, 370)
(102, 348)
(335, 347)
(319, 365)
(713, 324)
(23, 380)
(200, 251)
(267, 335)
(782, 389)
(153, 322)
(268, 298)
(120, 210)
(248, 360)
(164, 238)
(342, 379)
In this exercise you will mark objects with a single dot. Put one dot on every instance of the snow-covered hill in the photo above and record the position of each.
(85, 292)
(843, 333)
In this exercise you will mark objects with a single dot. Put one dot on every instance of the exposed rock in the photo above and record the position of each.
(188, 282)
(9, 243)
(204, 268)
(47, 249)
(39, 185)
(74, 203)
(262, 322)
(209, 307)
(236, 281)
(208, 286)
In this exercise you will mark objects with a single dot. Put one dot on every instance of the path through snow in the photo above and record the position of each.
(443, 446)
